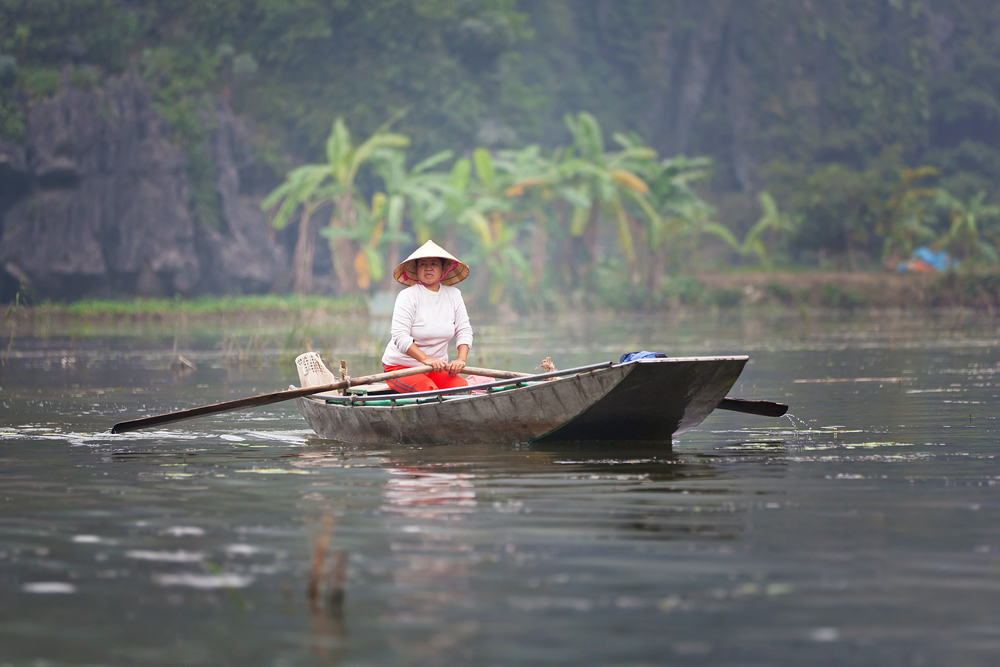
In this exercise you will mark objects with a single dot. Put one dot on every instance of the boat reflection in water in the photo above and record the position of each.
(432, 562)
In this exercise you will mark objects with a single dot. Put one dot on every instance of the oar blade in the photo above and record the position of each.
(760, 408)
(192, 413)
(257, 401)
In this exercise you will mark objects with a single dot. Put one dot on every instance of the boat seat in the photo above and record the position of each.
(402, 399)
(374, 389)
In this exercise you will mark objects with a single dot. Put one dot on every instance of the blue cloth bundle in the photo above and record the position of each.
(644, 354)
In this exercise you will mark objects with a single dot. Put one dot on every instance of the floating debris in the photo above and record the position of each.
(183, 531)
(181, 365)
(166, 556)
(204, 581)
(835, 380)
(48, 587)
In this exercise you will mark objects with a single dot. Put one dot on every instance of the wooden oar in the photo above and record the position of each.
(287, 395)
(262, 399)
(762, 408)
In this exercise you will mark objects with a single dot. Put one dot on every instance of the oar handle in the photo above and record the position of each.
(490, 373)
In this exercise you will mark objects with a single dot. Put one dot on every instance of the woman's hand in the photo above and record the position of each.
(439, 365)
(455, 367)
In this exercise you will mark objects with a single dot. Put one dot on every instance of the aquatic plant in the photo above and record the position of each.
(253, 353)
(10, 319)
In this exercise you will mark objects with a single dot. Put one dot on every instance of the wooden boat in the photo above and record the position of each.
(648, 400)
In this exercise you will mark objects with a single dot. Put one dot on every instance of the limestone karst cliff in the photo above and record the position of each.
(95, 202)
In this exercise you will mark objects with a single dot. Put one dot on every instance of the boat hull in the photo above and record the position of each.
(648, 400)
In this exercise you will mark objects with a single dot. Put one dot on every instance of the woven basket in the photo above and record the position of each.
(312, 371)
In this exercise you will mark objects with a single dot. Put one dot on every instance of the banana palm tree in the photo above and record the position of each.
(313, 185)
(773, 222)
(344, 161)
(902, 217)
(606, 180)
(372, 230)
(482, 213)
(541, 184)
(679, 216)
(302, 189)
(416, 194)
(966, 231)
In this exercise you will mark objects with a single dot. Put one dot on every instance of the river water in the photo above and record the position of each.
(862, 529)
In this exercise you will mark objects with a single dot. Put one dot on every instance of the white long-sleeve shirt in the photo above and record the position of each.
(429, 319)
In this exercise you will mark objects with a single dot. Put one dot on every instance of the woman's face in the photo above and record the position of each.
(429, 271)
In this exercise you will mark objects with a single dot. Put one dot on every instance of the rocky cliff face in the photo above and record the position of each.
(95, 203)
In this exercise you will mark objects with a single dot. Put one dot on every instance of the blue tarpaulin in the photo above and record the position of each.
(644, 354)
(939, 261)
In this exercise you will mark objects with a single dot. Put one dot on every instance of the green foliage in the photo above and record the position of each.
(320, 59)
(417, 194)
(903, 218)
(40, 82)
(883, 208)
(46, 32)
(843, 118)
(687, 289)
(205, 205)
(370, 233)
(201, 305)
(84, 78)
(969, 232)
(8, 70)
(10, 319)
(607, 179)
(11, 119)
(613, 289)
(180, 76)
(486, 205)
(780, 292)
(835, 296)
(974, 289)
(771, 221)
(355, 232)
(727, 297)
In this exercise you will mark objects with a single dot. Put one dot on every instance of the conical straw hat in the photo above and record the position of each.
(406, 272)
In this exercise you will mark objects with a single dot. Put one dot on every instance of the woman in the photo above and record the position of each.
(427, 315)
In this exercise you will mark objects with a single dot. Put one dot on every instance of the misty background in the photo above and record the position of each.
(567, 150)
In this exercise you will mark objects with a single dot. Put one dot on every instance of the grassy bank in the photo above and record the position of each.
(844, 289)
(805, 289)
(208, 315)
(753, 289)
(202, 306)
